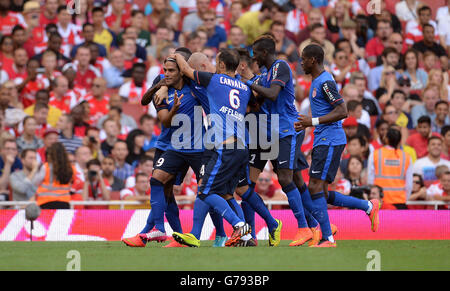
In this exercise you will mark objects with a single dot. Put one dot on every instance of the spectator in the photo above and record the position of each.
(42, 96)
(318, 36)
(351, 93)
(119, 153)
(440, 79)
(61, 96)
(217, 36)
(115, 114)
(147, 125)
(54, 44)
(102, 35)
(390, 58)
(49, 63)
(66, 136)
(10, 96)
(92, 140)
(356, 175)
(40, 113)
(350, 126)
(443, 20)
(415, 29)
(266, 187)
(28, 139)
(171, 20)
(31, 84)
(381, 128)
(80, 115)
(426, 166)
(145, 166)
(83, 154)
(442, 110)
(445, 133)
(376, 45)
(55, 178)
(338, 15)
(69, 31)
(118, 17)
(112, 130)
(356, 146)
(24, 183)
(443, 192)
(193, 20)
(18, 68)
(430, 96)
(135, 142)
(255, 23)
(297, 19)
(9, 163)
(429, 43)
(108, 168)
(114, 73)
(7, 53)
(140, 192)
(11, 17)
(355, 109)
(87, 34)
(96, 187)
(398, 101)
(391, 168)
(418, 77)
(419, 140)
(419, 191)
(98, 100)
(138, 51)
(50, 137)
(314, 17)
(406, 9)
(282, 43)
(234, 13)
(376, 192)
(85, 72)
(385, 14)
(134, 89)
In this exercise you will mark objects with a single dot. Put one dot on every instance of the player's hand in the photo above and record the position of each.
(177, 101)
(160, 95)
(303, 122)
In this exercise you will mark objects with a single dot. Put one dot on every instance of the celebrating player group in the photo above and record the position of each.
(205, 112)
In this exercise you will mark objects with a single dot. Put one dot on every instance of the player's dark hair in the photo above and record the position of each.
(445, 129)
(244, 56)
(424, 119)
(394, 136)
(230, 58)
(184, 51)
(314, 51)
(265, 42)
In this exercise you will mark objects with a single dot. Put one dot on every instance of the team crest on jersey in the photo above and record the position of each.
(314, 92)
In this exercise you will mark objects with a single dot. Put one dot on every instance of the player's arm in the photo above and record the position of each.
(281, 75)
(184, 66)
(333, 97)
(165, 115)
(148, 96)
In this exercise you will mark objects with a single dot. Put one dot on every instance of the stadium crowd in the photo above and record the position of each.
(74, 75)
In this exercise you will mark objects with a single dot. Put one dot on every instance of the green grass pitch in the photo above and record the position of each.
(349, 255)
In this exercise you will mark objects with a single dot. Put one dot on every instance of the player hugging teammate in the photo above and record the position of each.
(220, 157)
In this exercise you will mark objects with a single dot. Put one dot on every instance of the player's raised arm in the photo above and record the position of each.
(165, 115)
(184, 66)
(148, 96)
(270, 93)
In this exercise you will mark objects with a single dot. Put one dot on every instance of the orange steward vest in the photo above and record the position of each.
(50, 190)
(390, 171)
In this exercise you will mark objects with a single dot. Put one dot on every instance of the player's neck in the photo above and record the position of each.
(316, 72)
(270, 60)
(179, 85)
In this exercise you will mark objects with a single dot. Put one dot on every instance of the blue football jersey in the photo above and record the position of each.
(324, 96)
(280, 73)
(228, 98)
(187, 136)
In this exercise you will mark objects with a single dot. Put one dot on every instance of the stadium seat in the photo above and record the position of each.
(115, 195)
(134, 110)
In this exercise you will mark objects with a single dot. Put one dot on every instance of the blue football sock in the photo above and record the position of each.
(200, 212)
(295, 203)
(221, 206)
(236, 208)
(173, 215)
(158, 203)
(338, 199)
(149, 224)
(255, 201)
(320, 212)
(307, 206)
(249, 215)
(217, 221)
